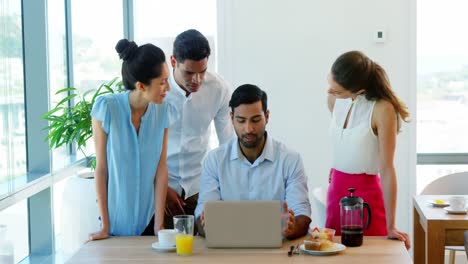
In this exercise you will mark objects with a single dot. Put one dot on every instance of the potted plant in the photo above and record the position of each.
(70, 119)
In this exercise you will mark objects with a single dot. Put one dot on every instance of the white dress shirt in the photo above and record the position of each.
(189, 135)
(277, 174)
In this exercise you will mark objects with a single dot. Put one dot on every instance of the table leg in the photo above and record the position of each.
(419, 240)
(435, 243)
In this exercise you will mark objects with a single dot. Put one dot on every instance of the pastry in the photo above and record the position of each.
(326, 245)
(312, 245)
(320, 240)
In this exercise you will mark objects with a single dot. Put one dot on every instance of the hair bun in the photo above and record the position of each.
(126, 48)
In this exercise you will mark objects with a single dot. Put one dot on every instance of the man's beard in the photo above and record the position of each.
(251, 144)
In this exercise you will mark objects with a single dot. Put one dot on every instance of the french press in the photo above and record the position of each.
(352, 218)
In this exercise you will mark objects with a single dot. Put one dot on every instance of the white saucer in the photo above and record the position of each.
(451, 211)
(156, 246)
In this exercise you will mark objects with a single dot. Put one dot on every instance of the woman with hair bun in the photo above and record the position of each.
(130, 136)
(366, 117)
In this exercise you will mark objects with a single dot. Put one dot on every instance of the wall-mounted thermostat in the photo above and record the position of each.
(379, 36)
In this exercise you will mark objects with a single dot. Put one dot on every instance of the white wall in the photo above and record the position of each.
(287, 48)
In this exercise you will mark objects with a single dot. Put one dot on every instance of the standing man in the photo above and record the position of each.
(254, 166)
(200, 97)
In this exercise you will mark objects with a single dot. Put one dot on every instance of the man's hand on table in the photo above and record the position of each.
(288, 221)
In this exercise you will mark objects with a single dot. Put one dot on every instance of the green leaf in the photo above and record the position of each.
(50, 112)
(66, 99)
(68, 89)
(56, 137)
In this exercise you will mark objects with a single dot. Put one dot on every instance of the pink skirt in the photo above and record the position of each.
(369, 188)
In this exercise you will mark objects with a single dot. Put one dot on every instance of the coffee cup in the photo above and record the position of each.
(167, 237)
(457, 203)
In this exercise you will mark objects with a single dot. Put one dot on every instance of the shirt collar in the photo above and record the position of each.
(173, 84)
(268, 152)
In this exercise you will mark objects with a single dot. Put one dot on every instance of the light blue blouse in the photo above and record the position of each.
(278, 174)
(132, 160)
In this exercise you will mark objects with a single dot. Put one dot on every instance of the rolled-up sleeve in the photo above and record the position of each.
(175, 102)
(209, 183)
(222, 120)
(297, 194)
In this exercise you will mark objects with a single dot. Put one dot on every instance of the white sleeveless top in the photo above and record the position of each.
(355, 149)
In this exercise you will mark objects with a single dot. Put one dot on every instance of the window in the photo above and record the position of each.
(57, 66)
(428, 173)
(58, 80)
(58, 216)
(442, 85)
(442, 79)
(15, 218)
(12, 134)
(94, 57)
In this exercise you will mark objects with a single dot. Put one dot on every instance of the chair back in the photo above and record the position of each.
(466, 244)
(455, 184)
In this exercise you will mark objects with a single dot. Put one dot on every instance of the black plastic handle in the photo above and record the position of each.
(366, 205)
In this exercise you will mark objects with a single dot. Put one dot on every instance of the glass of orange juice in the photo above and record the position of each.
(183, 224)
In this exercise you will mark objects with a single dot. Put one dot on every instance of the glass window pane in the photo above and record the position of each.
(442, 81)
(12, 132)
(15, 218)
(57, 67)
(76, 199)
(58, 225)
(94, 57)
(426, 174)
(58, 81)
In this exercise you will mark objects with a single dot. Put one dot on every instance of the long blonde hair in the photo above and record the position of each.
(355, 71)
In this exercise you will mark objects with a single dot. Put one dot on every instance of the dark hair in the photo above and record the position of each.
(355, 71)
(191, 45)
(140, 64)
(248, 94)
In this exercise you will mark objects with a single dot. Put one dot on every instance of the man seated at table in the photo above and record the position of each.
(254, 166)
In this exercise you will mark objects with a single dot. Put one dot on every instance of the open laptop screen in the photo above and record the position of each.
(243, 224)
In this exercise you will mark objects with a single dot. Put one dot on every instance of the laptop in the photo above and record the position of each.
(243, 224)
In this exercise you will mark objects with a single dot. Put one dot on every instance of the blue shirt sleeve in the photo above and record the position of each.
(297, 196)
(100, 112)
(209, 179)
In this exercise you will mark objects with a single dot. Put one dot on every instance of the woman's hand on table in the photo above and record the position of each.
(157, 227)
(101, 234)
(402, 236)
